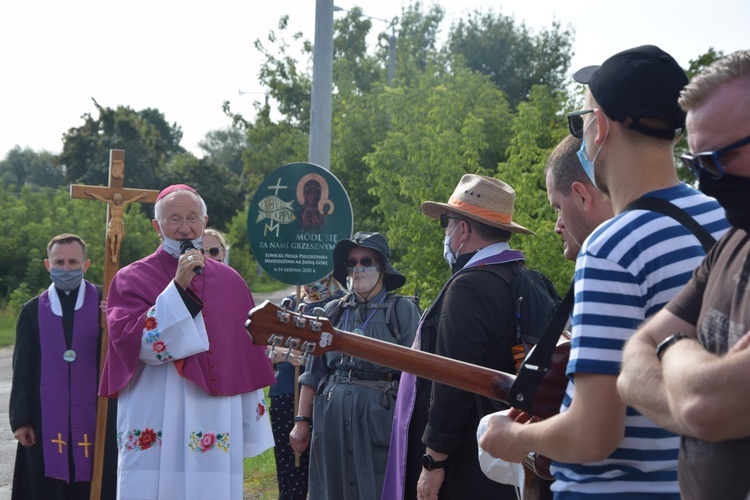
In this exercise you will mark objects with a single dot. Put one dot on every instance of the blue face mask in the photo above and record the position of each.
(66, 279)
(587, 165)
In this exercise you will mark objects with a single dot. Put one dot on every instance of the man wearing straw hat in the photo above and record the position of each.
(433, 442)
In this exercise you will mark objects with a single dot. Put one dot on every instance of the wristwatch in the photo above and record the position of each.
(667, 342)
(429, 463)
(302, 418)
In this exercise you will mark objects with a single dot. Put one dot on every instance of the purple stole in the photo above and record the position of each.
(68, 390)
(395, 472)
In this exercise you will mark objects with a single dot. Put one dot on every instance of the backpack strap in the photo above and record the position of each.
(391, 318)
(664, 207)
(508, 274)
(337, 312)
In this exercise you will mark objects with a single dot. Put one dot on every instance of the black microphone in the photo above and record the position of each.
(186, 245)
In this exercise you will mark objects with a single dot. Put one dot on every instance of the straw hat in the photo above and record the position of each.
(483, 199)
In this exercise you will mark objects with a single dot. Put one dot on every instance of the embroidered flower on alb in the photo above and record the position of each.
(138, 440)
(151, 323)
(203, 442)
(152, 335)
(260, 410)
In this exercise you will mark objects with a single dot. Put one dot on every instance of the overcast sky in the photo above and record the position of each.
(185, 57)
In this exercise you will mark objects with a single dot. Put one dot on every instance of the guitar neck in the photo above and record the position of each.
(478, 379)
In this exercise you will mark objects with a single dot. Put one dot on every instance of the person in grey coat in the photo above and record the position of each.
(346, 404)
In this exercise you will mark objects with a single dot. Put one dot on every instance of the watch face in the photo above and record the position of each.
(427, 461)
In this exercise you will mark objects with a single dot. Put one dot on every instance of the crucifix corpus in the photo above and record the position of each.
(117, 198)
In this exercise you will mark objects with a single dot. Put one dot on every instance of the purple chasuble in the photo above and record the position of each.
(232, 365)
(395, 472)
(68, 390)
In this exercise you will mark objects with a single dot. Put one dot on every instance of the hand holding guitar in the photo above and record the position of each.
(501, 437)
(281, 328)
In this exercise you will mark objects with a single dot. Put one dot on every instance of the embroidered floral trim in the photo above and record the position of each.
(260, 410)
(151, 329)
(203, 442)
(138, 440)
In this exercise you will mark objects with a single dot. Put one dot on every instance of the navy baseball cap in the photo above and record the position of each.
(642, 82)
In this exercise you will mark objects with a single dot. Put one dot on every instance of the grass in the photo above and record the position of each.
(260, 477)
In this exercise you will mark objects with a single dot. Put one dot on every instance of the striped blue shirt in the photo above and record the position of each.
(627, 270)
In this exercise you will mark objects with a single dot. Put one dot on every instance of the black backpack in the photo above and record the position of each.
(390, 317)
(535, 300)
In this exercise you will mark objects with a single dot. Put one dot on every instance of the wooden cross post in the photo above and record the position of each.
(116, 197)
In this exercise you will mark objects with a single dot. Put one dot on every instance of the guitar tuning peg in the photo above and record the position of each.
(286, 303)
(273, 342)
(307, 349)
(302, 308)
(315, 324)
(284, 316)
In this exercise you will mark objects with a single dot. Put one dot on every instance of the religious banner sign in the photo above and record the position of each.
(297, 215)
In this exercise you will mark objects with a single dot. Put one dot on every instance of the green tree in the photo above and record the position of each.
(32, 218)
(148, 140)
(218, 186)
(536, 130)
(512, 55)
(441, 128)
(26, 167)
(225, 147)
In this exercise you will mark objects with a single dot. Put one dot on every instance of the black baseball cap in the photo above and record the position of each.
(642, 82)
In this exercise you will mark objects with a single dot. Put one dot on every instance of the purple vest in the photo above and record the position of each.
(68, 390)
(395, 473)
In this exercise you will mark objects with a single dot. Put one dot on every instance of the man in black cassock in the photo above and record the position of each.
(55, 375)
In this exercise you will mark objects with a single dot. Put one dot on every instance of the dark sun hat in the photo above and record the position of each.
(392, 279)
(483, 199)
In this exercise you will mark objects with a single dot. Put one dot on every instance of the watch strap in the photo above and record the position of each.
(667, 343)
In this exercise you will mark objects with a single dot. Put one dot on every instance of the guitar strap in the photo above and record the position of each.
(536, 365)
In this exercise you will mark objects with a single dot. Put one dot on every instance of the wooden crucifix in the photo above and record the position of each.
(117, 197)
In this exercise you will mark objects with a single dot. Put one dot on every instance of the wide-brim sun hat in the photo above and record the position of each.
(480, 198)
(392, 279)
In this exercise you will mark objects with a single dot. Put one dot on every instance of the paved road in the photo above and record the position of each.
(8, 442)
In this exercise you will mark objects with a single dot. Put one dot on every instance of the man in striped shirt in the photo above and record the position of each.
(693, 355)
(628, 268)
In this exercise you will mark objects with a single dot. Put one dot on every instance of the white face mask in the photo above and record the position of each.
(172, 247)
(448, 255)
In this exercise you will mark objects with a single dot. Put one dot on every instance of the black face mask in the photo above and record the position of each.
(733, 193)
(461, 261)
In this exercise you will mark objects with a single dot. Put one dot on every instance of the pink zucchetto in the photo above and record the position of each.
(175, 187)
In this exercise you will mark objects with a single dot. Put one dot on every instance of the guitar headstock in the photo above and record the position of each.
(275, 326)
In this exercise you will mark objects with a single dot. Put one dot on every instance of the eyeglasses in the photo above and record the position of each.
(708, 161)
(575, 122)
(177, 222)
(365, 261)
(444, 220)
(214, 251)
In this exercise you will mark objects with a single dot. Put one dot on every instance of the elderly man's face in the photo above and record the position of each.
(722, 120)
(181, 216)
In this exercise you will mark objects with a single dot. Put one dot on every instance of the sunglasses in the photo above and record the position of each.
(575, 122)
(214, 251)
(708, 161)
(444, 220)
(365, 261)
